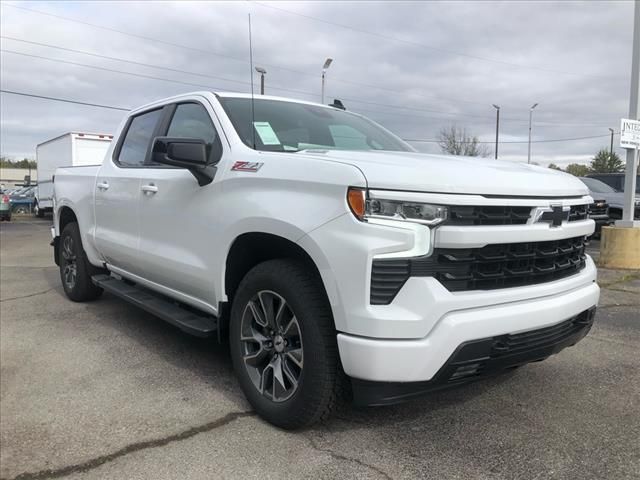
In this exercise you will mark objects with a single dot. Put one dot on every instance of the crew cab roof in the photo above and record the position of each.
(176, 98)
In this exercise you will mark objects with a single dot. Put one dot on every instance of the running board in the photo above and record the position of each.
(189, 321)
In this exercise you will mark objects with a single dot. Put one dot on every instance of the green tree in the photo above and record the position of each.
(577, 169)
(553, 166)
(6, 162)
(456, 141)
(606, 162)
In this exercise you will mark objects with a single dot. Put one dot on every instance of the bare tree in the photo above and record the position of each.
(455, 140)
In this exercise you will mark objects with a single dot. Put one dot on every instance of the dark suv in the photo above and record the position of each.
(614, 180)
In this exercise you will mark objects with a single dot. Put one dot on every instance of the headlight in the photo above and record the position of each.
(365, 207)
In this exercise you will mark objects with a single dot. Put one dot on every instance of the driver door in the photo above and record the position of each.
(179, 218)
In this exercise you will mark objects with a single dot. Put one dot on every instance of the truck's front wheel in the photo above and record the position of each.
(283, 344)
(75, 269)
(37, 211)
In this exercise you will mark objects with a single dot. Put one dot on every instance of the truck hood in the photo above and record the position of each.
(452, 174)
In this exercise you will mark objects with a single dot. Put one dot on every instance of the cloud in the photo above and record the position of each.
(426, 65)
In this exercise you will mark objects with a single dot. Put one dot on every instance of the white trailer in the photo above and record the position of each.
(72, 149)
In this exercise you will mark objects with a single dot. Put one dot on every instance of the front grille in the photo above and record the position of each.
(598, 208)
(488, 215)
(471, 215)
(487, 268)
(578, 212)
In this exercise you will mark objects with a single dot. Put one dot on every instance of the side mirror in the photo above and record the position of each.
(189, 153)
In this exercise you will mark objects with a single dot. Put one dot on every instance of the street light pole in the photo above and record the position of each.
(530, 117)
(634, 112)
(497, 107)
(326, 65)
(262, 73)
(611, 147)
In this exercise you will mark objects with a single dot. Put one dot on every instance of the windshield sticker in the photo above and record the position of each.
(246, 166)
(266, 133)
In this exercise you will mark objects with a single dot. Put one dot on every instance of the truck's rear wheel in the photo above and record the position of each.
(75, 269)
(283, 344)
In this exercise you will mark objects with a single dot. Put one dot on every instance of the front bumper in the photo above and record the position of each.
(481, 358)
(416, 360)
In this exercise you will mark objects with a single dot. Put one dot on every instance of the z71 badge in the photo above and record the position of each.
(247, 166)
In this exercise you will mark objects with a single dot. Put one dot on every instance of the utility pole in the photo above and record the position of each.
(497, 107)
(634, 110)
(262, 73)
(611, 147)
(530, 117)
(327, 62)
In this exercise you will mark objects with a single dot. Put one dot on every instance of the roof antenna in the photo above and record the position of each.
(253, 112)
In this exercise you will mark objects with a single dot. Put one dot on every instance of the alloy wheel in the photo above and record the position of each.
(271, 346)
(70, 270)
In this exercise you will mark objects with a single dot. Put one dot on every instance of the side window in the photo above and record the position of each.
(137, 139)
(191, 120)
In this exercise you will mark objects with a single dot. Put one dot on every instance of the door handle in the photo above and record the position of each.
(151, 188)
(103, 186)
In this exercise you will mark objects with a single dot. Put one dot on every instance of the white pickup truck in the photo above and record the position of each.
(338, 261)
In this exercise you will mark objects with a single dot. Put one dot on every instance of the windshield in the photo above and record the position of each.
(597, 186)
(289, 127)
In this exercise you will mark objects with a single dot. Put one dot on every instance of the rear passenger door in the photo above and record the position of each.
(179, 218)
(117, 192)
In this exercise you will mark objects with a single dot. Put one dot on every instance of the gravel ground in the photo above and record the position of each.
(103, 390)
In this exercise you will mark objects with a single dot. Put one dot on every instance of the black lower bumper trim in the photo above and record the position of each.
(480, 359)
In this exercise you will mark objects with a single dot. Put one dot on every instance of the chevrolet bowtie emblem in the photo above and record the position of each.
(555, 215)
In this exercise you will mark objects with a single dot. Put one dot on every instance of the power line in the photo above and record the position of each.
(201, 74)
(448, 119)
(511, 119)
(104, 69)
(133, 63)
(431, 47)
(456, 114)
(208, 52)
(57, 99)
(417, 140)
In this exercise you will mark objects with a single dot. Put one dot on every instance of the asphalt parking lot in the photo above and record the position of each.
(103, 390)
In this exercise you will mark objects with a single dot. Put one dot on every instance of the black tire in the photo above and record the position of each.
(78, 287)
(320, 385)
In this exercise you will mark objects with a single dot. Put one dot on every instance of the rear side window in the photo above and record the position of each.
(191, 120)
(136, 141)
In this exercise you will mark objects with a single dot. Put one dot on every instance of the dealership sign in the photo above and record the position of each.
(630, 133)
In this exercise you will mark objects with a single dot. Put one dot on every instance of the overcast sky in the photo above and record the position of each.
(414, 67)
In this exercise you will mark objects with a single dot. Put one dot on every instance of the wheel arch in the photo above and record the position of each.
(65, 216)
(251, 248)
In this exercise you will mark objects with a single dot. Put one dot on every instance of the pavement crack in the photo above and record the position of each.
(134, 447)
(615, 305)
(620, 290)
(339, 456)
(27, 296)
(624, 279)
